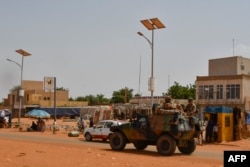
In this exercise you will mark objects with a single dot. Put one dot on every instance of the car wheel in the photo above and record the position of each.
(140, 145)
(88, 137)
(166, 145)
(190, 147)
(117, 141)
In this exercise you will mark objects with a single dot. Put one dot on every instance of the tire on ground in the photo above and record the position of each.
(88, 137)
(191, 146)
(166, 145)
(117, 141)
(140, 145)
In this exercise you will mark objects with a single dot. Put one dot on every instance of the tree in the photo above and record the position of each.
(91, 99)
(181, 92)
(15, 89)
(122, 96)
(94, 100)
(101, 99)
(80, 98)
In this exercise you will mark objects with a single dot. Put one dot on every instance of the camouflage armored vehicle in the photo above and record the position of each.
(166, 131)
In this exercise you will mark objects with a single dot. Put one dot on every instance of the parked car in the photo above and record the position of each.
(100, 130)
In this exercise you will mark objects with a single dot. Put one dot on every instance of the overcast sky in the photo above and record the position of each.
(92, 47)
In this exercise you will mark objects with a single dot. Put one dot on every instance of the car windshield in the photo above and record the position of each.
(108, 124)
(100, 124)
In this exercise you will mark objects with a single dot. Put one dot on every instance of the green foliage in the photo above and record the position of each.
(181, 92)
(122, 96)
(94, 100)
(15, 88)
(80, 98)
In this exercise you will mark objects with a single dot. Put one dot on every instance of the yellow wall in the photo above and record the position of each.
(226, 126)
(35, 95)
(225, 121)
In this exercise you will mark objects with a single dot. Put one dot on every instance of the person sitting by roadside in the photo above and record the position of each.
(40, 124)
(34, 126)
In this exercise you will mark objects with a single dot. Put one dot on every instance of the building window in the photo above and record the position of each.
(242, 67)
(219, 92)
(200, 92)
(206, 92)
(233, 91)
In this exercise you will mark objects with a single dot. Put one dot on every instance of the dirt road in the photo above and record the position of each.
(29, 149)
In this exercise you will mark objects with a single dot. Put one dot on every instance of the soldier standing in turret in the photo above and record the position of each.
(190, 108)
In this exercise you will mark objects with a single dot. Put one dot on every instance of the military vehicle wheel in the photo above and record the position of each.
(117, 141)
(140, 145)
(88, 137)
(191, 146)
(166, 145)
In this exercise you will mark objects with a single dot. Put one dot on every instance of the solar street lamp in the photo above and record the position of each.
(21, 91)
(151, 24)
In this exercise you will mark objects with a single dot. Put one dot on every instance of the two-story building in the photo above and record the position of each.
(228, 83)
(36, 96)
(227, 86)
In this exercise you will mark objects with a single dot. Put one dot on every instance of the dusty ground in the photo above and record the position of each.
(29, 154)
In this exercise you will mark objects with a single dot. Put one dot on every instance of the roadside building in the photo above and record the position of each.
(227, 85)
(36, 97)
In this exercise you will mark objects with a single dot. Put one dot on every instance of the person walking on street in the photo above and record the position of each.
(215, 132)
(209, 131)
(81, 125)
(202, 132)
(91, 122)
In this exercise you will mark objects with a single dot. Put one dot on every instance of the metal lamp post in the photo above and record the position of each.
(21, 91)
(151, 24)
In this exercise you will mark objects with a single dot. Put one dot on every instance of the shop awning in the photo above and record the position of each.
(218, 109)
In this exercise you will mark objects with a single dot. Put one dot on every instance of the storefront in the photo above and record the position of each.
(224, 117)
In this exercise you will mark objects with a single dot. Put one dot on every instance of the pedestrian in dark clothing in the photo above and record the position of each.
(34, 126)
(209, 131)
(91, 122)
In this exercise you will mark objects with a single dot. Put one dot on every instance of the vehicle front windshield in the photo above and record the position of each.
(100, 124)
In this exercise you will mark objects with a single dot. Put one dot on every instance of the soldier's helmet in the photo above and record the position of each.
(190, 99)
(168, 99)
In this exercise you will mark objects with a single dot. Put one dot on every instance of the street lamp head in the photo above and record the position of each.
(139, 33)
(23, 52)
(19, 65)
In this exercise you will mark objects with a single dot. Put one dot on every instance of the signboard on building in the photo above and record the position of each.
(49, 83)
